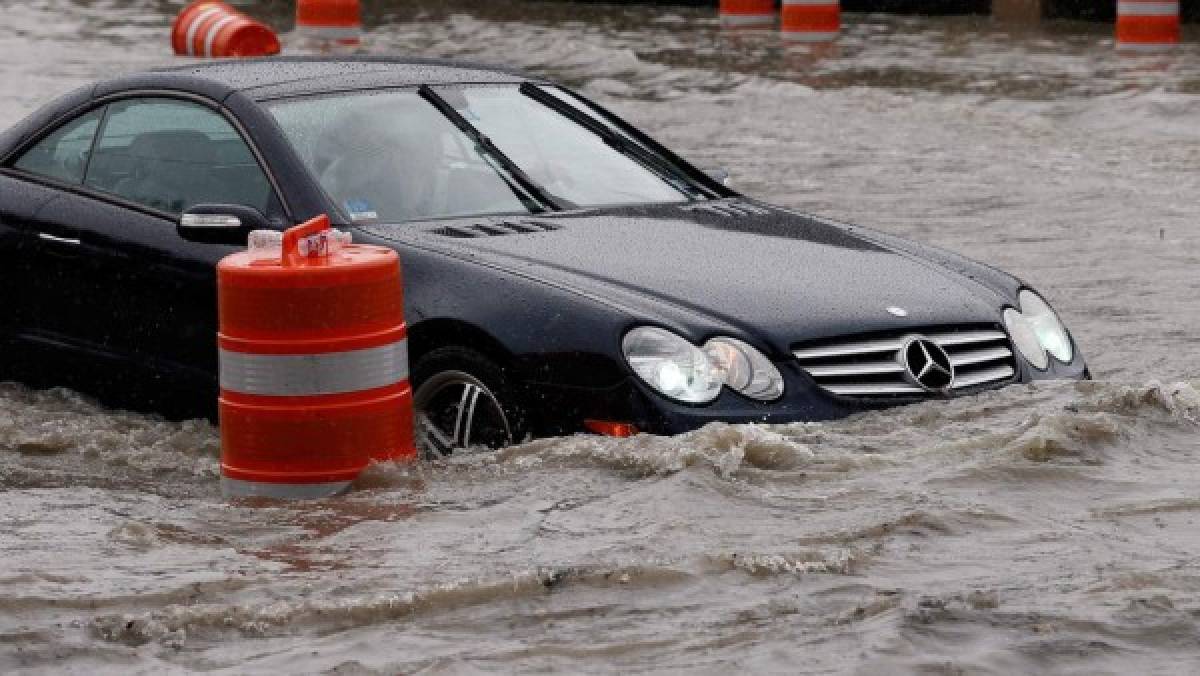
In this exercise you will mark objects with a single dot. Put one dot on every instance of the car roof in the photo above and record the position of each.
(266, 79)
(281, 77)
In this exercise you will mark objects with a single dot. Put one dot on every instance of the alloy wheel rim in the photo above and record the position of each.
(455, 410)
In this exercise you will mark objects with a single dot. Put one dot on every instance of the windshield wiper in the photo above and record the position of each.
(528, 187)
(617, 141)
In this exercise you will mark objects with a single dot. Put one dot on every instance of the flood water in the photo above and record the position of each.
(1048, 529)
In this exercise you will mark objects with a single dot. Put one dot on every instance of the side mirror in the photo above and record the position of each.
(719, 174)
(220, 223)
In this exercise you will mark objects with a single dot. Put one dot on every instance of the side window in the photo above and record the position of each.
(170, 155)
(63, 154)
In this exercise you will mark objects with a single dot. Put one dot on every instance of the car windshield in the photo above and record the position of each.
(394, 156)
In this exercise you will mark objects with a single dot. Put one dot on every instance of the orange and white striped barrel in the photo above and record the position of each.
(1147, 25)
(338, 21)
(811, 20)
(739, 13)
(210, 28)
(313, 365)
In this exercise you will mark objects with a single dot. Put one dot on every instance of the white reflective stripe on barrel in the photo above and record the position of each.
(212, 33)
(237, 488)
(1146, 47)
(288, 375)
(195, 26)
(1147, 8)
(747, 19)
(809, 36)
(330, 32)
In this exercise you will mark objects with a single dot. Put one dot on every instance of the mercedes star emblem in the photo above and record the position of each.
(926, 364)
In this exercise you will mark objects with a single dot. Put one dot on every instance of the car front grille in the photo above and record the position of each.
(871, 366)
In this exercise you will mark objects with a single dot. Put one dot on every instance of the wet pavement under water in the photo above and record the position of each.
(1047, 529)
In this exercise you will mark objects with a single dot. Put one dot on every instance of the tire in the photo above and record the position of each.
(463, 399)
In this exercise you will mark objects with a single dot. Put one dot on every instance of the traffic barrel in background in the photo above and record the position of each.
(338, 21)
(741, 13)
(210, 29)
(811, 20)
(1147, 25)
(313, 363)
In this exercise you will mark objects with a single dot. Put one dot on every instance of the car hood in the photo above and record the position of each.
(729, 265)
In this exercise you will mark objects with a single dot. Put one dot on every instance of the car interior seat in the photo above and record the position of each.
(172, 170)
(386, 161)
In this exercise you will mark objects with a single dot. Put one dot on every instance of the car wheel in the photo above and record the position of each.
(462, 399)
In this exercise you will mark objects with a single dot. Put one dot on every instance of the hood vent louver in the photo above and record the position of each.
(496, 229)
(724, 208)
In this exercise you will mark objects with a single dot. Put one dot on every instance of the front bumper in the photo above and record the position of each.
(563, 410)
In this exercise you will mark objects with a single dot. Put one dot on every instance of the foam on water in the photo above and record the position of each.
(724, 448)
(915, 506)
(53, 430)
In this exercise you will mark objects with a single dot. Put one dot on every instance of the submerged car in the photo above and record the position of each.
(563, 271)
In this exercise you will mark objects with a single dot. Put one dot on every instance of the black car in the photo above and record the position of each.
(563, 271)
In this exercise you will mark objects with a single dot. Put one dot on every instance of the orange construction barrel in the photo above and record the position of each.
(740, 13)
(313, 364)
(811, 20)
(337, 21)
(210, 29)
(1147, 25)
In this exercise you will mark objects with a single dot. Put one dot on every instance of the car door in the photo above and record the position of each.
(153, 158)
(110, 279)
(19, 202)
(44, 254)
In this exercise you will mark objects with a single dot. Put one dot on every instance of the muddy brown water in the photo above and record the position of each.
(1048, 529)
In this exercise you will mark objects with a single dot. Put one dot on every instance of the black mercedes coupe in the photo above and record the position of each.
(563, 271)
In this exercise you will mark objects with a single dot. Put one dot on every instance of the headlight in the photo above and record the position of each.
(682, 371)
(1050, 331)
(746, 369)
(1036, 331)
(672, 365)
(1025, 338)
